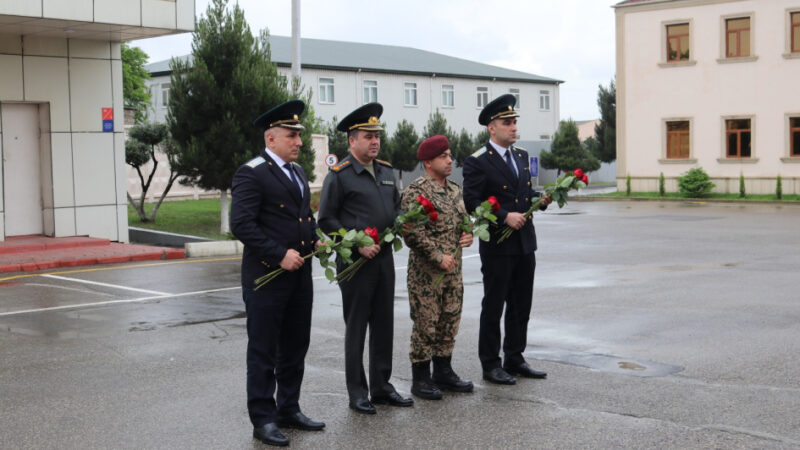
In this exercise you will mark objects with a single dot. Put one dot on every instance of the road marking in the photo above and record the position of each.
(119, 267)
(97, 283)
(116, 302)
(159, 296)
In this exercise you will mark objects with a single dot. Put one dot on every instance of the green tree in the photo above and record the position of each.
(403, 146)
(463, 147)
(606, 130)
(134, 91)
(482, 138)
(742, 192)
(337, 141)
(144, 140)
(566, 152)
(214, 99)
(778, 187)
(695, 183)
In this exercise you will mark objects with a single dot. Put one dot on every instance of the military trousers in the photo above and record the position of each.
(368, 301)
(507, 282)
(278, 334)
(435, 312)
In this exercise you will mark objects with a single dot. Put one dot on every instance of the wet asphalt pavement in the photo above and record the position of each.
(661, 325)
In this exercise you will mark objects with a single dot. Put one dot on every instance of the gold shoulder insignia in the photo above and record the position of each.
(255, 162)
(341, 166)
(385, 163)
(479, 152)
(519, 148)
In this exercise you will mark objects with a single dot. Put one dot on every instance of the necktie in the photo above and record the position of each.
(289, 167)
(511, 165)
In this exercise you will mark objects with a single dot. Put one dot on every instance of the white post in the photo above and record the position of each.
(295, 46)
(225, 223)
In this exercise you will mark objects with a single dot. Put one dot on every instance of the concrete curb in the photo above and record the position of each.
(213, 248)
(684, 200)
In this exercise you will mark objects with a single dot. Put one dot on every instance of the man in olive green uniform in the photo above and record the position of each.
(357, 193)
(435, 250)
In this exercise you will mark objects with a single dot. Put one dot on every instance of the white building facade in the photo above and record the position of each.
(711, 84)
(61, 111)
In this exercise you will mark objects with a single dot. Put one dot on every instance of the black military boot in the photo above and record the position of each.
(446, 378)
(422, 386)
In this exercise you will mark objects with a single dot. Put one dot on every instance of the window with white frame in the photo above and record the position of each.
(794, 19)
(370, 91)
(515, 93)
(326, 90)
(482, 93)
(165, 94)
(544, 100)
(448, 95)
(410, 94)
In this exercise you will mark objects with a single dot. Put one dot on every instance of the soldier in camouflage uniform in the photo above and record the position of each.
(435, 309)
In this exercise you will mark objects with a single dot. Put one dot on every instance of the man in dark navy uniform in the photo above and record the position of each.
(271, 215)
(360, 192)
(502, 170)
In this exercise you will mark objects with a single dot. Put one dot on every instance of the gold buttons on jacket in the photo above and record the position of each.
(300, 219)
(505, 187)
(516, 201)
(309, 219)
(529, 183)
(302, 242)
(281, 205)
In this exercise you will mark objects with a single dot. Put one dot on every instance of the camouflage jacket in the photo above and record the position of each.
(431, 241)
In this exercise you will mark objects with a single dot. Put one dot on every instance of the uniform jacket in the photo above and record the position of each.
(432, 240)
(269, 216)
(352, 199)
(486, 174)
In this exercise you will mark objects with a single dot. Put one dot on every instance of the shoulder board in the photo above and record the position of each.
(255, 161)
(519, 148)
(341, 166)
(419, 180)
(479, 152)
(385, 163)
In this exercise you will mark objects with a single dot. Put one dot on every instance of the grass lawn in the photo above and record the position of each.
(759, 198)
(192, 217)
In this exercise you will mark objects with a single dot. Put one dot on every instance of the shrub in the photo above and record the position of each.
(695, 183)
(778, 187)
(741, 185)
(628, 185)
(661, 190)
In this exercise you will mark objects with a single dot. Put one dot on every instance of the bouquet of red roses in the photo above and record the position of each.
(558, 190)
(421, 213)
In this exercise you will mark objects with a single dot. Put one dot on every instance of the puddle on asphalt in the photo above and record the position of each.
(150, 326)
(605, 363)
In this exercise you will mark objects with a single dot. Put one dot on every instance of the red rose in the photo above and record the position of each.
(373, 233)
(434, 216)
(426, 204)
(578, 174)
(494, 202)
(585, 179)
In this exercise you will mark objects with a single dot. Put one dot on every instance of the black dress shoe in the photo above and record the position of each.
(499, 376)
(525, 370)
(362, 405)
(299, 421)
(393, 398)
(270, 435)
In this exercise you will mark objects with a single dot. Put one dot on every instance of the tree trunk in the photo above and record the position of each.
(138, 207)
(172, 177)
(224, 223)
(400, 182)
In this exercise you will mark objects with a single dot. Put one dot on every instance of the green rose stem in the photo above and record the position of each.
(261, 281)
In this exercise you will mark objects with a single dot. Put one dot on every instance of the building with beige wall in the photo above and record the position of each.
(61, 111)
(711, 84)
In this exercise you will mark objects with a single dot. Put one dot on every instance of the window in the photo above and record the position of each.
(544, 137)
(796, 32)
(544, 100)
(515, 93)
(678, 42)
(678, 139)
(483, 96)
(794, 135)
(737, 33)
(738, 136)
(410, 98)
(326, 92)
(165, 94)
(448, 95)
(370, 91)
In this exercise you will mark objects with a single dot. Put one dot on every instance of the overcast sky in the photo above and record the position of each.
(570, 40)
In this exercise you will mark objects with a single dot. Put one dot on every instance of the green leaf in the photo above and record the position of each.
(329, 274)
(389, 237)
(398, 245)
(345, 253)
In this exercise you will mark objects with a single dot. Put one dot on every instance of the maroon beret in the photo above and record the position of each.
(432, 147)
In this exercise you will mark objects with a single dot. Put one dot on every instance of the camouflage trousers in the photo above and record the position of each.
(435, 311)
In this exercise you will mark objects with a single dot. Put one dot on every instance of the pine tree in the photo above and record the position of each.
(606, 131)
(566, 152)
(404, 143)
(337, 140)
(215, 97)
